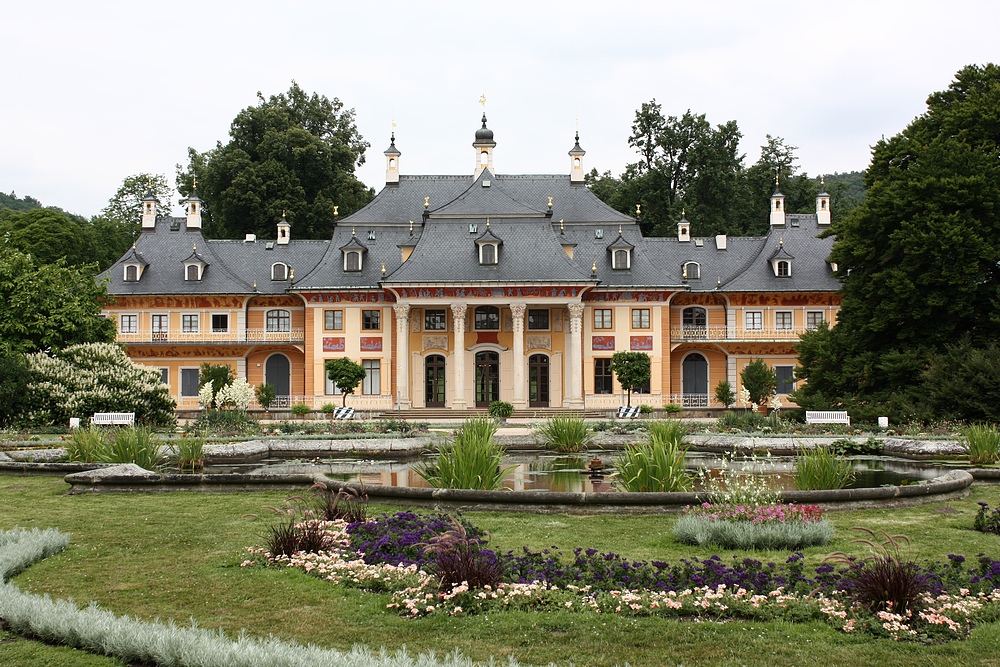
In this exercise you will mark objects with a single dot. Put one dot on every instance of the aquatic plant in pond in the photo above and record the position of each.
(472, 460)
(132, 445)
(656, 465)
(565, 433)
(982, 443)
(738, 481)
(821, 469)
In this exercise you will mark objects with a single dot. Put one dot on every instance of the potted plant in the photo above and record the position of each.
(328, 410)
(300, 410)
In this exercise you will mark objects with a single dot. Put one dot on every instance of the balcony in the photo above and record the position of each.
(179, 337)
(735, 334)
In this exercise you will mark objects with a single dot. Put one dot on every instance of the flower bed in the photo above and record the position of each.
(420, 569)
(773, 526)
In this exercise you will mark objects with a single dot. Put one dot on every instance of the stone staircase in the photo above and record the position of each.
(424, 414)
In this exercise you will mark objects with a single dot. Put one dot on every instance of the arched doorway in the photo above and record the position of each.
(694, 381)
(538, 381)
(487, 378)
(434, 381)
(277, 373)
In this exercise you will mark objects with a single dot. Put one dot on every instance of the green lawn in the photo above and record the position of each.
(177, 556)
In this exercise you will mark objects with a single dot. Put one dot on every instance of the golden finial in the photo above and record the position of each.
(133, 246)
(194, 247)
(822, 180)
(562, 227)
(550, 203)
(487, 223)
(336, 210)
(776, 179)
(781, 242)
(718, 281)
(194, 183)
(291, 276)
(638, 210)
(282, 214)
(352, 232)
(619, 229)
(684, 272)
(482, 100)
(411, 228)
(383, 269)
(427, 203)
(255, 286)
(593, 268)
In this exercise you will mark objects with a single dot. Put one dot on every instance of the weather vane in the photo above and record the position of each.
(482, 100)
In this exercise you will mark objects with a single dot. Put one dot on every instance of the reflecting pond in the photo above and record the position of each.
(586, 472)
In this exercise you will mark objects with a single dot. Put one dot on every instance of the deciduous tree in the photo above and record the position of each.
(346, 374)
(920, 258)
(632, 370)
(292, 154)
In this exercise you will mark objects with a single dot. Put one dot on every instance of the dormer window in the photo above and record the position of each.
(691, 271)
(621, 253)
(352, 260)
(192, 272)
(353, 252)
(279, 271)
(783, 268)
(488, 245)
(131, 273)
(781, 261)
(487, 253)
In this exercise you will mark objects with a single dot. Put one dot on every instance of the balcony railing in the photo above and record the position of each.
(177, 336)
(735, 334)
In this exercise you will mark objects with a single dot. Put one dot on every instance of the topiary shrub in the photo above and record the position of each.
(500, 410)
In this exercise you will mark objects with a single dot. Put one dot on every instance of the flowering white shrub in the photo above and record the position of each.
(205, 397)
(237, 393)
(94, 377)
(745, 397)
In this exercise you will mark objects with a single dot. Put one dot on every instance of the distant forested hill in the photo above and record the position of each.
(11, 201)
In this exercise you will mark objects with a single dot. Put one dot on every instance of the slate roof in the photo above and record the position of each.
(232, 266)
(533, 249)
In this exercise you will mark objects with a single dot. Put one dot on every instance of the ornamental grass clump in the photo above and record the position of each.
(565, 433)
(85, 445)
(821, 469)
(885, 581)
(772, 527)
(656, 465)
(461, 559)
(472, 460)
(133, 445)
(189, 453)
(982, 443)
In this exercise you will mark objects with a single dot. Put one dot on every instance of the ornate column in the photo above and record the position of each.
(517, 314)
(458, 382)
(402, 311)
(574, 390)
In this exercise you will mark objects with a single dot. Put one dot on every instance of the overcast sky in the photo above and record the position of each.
(95, 91)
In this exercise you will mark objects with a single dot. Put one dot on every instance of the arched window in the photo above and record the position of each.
(131, 273)
(487, 318)
(487, 253)
(694, 322)
(192, 272)
(620, 259)
(279, 271)
(278, 320)
(352, 260)
(484, 158)
(692, 271)
(784, 268)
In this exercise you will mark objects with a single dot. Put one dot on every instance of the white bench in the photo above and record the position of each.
(827, 417)
(628, 412)
(113, 419)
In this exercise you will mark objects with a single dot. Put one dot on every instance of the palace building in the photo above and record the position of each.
(454, 291)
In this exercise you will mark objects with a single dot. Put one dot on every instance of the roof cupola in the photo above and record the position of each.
(484, 146)
(576, 162)
(392, 161)
(149, 204)
(822, 204)
(777, 206)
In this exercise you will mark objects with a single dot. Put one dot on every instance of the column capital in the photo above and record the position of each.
(458, 311)
(517, 309)
(576, 310)
(402, 311)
